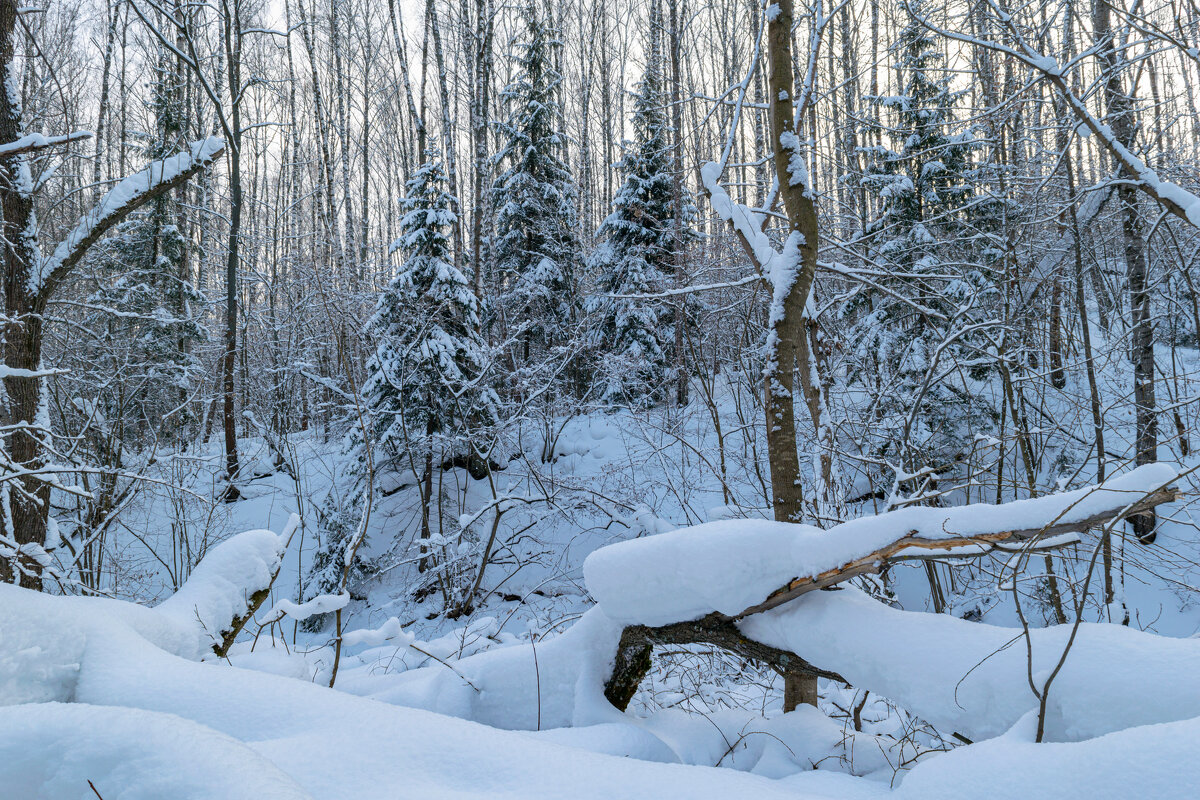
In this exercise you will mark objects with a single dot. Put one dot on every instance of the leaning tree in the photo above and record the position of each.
(30, 279)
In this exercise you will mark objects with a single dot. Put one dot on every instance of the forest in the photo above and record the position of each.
(599, 398)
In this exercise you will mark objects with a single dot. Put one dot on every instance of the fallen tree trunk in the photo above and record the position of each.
(911, 547)
(637, 642)
(633, 658)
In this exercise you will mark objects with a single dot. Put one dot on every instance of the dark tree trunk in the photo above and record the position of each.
(1121, 119)
(233, 39)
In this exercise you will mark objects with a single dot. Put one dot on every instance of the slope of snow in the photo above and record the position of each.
(971, 678)
(331, 744)
(147, 724)
(730, 565)
(1150, 761)
(50, 751)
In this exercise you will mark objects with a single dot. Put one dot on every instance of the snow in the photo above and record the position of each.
(1177, 195)
(1046, 64)
(971, 678)
(125, 192)
(140, 722)
(730, 565)
(1152, 761)
(745, 221)
(550, 684)
(111, 691)
(214, 722)
(38, 141)
(220, 587)
(321, 604)
(390, 631)
(52, 751)
(722, 566)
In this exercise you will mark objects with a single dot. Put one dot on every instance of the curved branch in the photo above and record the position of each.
(160, 177)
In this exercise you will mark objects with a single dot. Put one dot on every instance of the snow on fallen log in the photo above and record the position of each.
(228, 585)
(971, 678)
(43, 642)
(741, 567)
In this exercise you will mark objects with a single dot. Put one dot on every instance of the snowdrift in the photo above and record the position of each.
(117, 694)
(108, 691)
(971, 678)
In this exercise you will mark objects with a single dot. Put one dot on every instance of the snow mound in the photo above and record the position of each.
(220, 587)
(51, 751)
(1152, 761)
(971, 678)
(43, 640)
(331, 744)
(731, 565)
(555, 683)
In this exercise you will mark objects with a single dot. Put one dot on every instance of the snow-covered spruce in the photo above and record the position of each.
(933, 232)
(640, 242)
(535, 248)
(426, 398)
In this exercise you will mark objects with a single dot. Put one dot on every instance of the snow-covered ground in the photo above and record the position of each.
(506, 700)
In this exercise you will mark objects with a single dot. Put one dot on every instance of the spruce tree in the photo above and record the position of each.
(924, 178)
(535, 247)
(424, 384)
(636, 256)
(425, 394)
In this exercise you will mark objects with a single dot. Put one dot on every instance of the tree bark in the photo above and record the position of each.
(786, 327)
(233, 53)
(25, 500)
(633, 659)
(1120, 115)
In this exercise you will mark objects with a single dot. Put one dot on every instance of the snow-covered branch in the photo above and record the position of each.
(37, 141)
(1174, 198)
(128, 195)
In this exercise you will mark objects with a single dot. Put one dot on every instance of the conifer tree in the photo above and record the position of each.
(425, 393)
(536, 246)
(924, 178)
(636, 255)
(424, 384)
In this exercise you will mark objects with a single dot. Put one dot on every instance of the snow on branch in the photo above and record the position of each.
(1172, 197)
(746, 223)
(686, 290)
(160, 177)
(228, 585)
(38, 141)
(740, 567)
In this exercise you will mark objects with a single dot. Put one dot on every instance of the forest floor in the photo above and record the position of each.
(504, 701)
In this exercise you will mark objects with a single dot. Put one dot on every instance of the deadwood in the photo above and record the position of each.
(633, 657)
(638, 641)
(912, 546)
